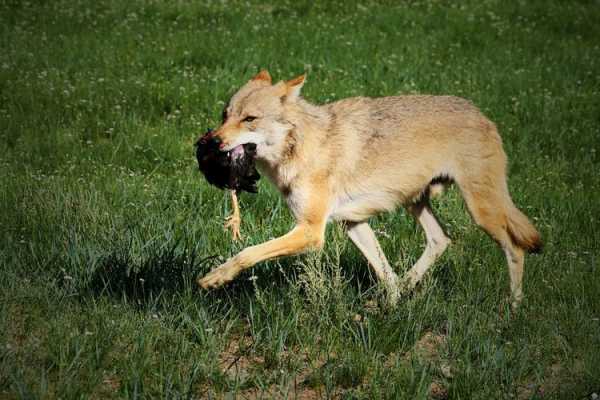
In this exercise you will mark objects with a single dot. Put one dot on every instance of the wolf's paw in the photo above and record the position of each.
(392, 296)
(516, 300)
(218, 277)
(407, 284)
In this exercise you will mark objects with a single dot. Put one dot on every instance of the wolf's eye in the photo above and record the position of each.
(249, 119)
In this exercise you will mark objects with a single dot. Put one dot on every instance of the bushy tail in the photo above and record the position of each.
(522, 232)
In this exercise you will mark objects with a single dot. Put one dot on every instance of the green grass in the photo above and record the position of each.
(106, 222)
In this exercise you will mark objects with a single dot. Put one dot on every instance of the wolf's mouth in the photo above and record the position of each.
(237, 152)
(242, 151)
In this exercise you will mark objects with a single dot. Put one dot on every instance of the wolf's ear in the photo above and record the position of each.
(263, 76)
(293, 87)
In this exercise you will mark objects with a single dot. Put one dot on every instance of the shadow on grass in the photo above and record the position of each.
(163, 272)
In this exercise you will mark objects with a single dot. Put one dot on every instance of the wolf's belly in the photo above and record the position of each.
(359, 207)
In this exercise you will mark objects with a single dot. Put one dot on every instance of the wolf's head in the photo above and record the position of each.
(257, 114)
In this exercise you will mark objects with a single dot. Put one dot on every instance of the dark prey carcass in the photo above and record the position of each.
(234, 169)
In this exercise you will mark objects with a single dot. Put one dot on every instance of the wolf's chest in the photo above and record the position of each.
(284, 178)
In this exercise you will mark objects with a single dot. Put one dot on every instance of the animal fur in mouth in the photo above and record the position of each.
(234, 169)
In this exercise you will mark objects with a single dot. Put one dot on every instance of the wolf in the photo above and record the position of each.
(354, 158)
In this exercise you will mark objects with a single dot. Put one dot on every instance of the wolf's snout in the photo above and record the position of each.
(218, 141)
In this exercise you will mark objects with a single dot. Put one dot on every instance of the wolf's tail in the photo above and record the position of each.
(521, 230)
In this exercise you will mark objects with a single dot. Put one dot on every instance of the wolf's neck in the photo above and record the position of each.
(309, 117)
(302, 143)
(309, 125)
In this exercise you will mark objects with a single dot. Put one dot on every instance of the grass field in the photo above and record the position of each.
(106, 222)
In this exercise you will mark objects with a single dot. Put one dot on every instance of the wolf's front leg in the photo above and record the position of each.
(303, 237)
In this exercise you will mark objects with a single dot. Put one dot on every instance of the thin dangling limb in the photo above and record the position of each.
(234, 221)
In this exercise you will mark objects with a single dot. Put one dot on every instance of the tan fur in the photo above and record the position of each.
(354, 158)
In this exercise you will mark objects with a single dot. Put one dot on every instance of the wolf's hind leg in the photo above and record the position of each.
(487, 206)
(363, 237)
(437, 241)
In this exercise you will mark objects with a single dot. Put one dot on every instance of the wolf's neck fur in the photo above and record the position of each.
(308, 123)
(305, 113)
